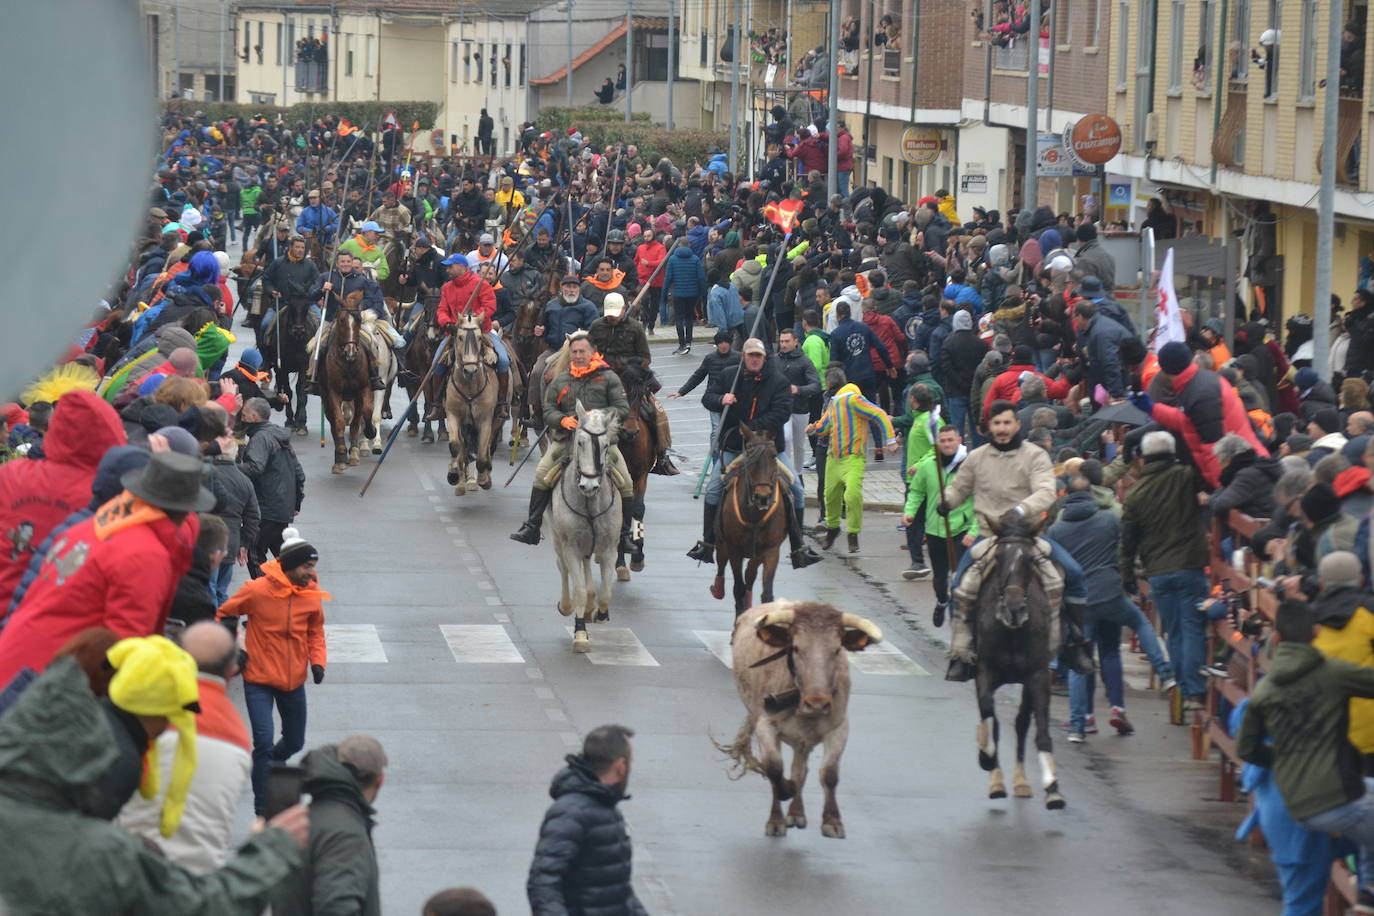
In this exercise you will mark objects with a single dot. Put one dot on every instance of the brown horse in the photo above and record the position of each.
(470, 403)
(416, 359)
(752, 520)
(344, 384)
(637, 447)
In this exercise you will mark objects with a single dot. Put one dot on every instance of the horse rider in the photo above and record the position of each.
(522, 279)
(289, 279)
(391, 216)
(365, 248)
(622, 257)
(272, 244)
(465, 291)
(588, 380)
(427, 275)
(567, 312)
(316, 219)
(334, 287)
(606, 279)
(1009, 474)
(619, 337)
(485, 252)
(762, 396)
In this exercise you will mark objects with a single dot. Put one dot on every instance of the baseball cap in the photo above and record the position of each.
(487, 239)
(371, 226)
(455, 258)
(570, 278)
(614, 305)
(754, 345)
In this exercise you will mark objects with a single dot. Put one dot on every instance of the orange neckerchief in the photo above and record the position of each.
(363, 243)
(252, 375)
(616, 278)
(294, 260)
(596, 363)
(124, 511)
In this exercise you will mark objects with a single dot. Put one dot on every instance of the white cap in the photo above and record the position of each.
(613, 306)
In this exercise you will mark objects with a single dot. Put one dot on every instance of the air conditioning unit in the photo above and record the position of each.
(1152, 127)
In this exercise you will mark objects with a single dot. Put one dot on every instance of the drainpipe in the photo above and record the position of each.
(1218, 64)
(868, 106)
(987, 71)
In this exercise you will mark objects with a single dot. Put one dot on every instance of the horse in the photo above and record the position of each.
(387, 369)
(1016, 635)
(638, 448)
(284, 352)
(584, 522)
(416, 358)
(345, 386)
(470, 405)
(751, 521)
(398, 262)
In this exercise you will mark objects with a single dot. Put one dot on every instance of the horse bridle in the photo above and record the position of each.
(459, 363)
(599, 471)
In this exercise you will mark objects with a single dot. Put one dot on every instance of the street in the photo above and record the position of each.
(445, 644)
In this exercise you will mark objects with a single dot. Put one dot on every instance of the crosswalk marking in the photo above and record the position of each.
(481, 643)
(616, 646)
(353, 642)
(882, 658)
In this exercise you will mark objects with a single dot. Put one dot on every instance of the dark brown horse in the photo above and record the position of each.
(637, 447)
(1016, 632)
(416, 359)
(284, 346)
(398, 262)
(344, 384)
(751, 521)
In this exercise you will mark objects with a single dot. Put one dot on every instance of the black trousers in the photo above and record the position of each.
(269, 538)
(684, 314)
(939, 562)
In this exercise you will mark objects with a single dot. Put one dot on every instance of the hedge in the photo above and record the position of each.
(367, 115)
(606, 125)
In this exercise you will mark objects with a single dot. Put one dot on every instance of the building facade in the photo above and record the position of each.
(190, 49)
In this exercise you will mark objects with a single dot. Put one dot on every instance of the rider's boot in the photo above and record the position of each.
(802, 555)
(503, 395)
(663, 465)
(704, 550)
(374, 379)
(312, 386)
(627, 519)
(1074, 652)
(529, 531)
(962, 660)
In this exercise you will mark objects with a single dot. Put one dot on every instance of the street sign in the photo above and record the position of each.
(1094, 139)
(921, 145)
(973, 184)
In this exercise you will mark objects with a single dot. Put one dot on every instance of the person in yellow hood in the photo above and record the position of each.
(1345, 616)
(947, 208)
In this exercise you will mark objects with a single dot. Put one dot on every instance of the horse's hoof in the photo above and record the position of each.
(353, 461)
(1022, 790)
(338, 469)
(453, 477)
(412, 433)
(386, 413)
(376, 450)
(472, 483)
(581, 642)
(300, 430)
(775, 828)
(460, 490)
(443, 435)
(637, 565)
(997, 790)
(833, 829)
(1055, 802)
(484, 480)
(603, 615)
(718, 588)
(564, 609)
(427, 439)
(622, 574)
(797, 820)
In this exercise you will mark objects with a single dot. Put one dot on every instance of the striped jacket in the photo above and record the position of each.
(846, 420)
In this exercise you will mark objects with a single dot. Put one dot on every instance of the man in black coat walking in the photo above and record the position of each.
(582, 862)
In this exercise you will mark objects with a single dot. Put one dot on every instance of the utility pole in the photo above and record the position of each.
(629, 60)
(1326, 197)
(1032, 184)
(868, 29)
(223, 24)
(734, 89)
(672, 56)
(832, 100)
(176, 51)
(570, 55)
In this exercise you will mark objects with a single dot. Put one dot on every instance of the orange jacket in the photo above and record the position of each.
(285, 627)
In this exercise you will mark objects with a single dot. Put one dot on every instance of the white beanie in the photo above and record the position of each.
(223, 260)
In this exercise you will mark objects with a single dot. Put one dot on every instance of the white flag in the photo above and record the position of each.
(934, 427)
(1168, 320)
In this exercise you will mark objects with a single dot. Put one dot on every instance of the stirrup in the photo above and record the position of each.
(703, 552)
(960, 670)
(803, 557)
(664, 465)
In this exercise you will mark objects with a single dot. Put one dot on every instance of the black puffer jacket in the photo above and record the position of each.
(1247, 484)
(582, 863)
(270, 462)
(763, 401)
(236, 501)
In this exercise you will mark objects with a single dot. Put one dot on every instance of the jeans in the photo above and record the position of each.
(502, 357)
(1176, 595)
(1354, 821)
(1103, 622)
(251, 221)
(1044, 359)
(715, 486)
(652, 307)
(715, 425)
(219, 582)
(1075, 585)
(291, 707)
(842, 182)
(958, 413)
(661, 295)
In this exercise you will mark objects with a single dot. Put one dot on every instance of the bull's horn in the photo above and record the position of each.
(862, 623)
(782, 617)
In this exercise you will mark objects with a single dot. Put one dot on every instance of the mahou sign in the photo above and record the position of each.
(1094, 139)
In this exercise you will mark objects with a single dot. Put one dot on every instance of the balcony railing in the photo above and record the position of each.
(312, 76)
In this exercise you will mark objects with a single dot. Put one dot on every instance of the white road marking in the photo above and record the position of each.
(885, 658)
(501, 618)
(353, 642)
(570, 739)
(717, 642)
(485, 586)
(616, 646)
(555, 714)
(493, 600)
(481, 643)
(543, 693)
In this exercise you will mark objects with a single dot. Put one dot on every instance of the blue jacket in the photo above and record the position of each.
(561, 319)
(685, 277)
(342, 286)
(965, 295)
(938, 335)
(719, 164)
(696, 236)
(1091, 536)
(851, 343)
(723, 307)
(1104, 339)
(317, 219)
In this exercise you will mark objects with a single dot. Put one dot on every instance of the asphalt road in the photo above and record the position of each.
(445, 644)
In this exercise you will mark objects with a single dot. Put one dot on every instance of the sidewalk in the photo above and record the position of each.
(884, 490)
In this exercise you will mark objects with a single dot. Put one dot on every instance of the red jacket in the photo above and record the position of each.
(118, 569)
(890, 333)
(455, 295)
(1007, 387)
(36, 495)
(844, 153)
(811, 154)
(285, 627)
(1208, 408)
(647, 258)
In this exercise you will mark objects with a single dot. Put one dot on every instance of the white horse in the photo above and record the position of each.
(387, 369)
(585, 522)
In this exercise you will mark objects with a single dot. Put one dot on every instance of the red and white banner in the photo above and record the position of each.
(1168, 319)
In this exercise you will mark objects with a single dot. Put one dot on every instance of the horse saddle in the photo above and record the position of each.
(733, 468)
(1011, 613)
(555, 474)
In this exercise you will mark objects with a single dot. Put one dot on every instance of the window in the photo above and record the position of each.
(1269, 53)
(348, 55)
(309, 28)
(1176, 13)
(371, 50)
(1238, 52)
(467, 61)
(1307, 61)
(1063, 24)
(521, 81)
(279, 34)
(262, 29)
(290, 41)
(494, 53)
(507, 64)
(247, 39)
(1144, 70)
(453, 62)
(1202, 61)
(1123, 43)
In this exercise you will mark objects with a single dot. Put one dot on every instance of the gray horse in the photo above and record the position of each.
(585, 522)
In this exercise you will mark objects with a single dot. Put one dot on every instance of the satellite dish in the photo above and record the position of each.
(80, 160)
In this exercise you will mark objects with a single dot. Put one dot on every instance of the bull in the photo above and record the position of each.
(794, 680)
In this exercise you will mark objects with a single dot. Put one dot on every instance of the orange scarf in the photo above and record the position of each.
(124, 511)
(248, 373)
(363, 244)
(596, 363)
(610, 284)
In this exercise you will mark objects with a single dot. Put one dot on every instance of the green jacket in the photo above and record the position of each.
(376, 256)
(1303, 707)
(248, 199)
(1162, 522)
(937, 392)
(55, 746)
(916, 427)
(340, 873)
(596, 390)
(925, 487)
(817, 347)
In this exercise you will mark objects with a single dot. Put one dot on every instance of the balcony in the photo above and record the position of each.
(1349, 119)
(1228, 146)
(312, 76)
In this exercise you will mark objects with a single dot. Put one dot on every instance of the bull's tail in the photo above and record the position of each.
(741, 751)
